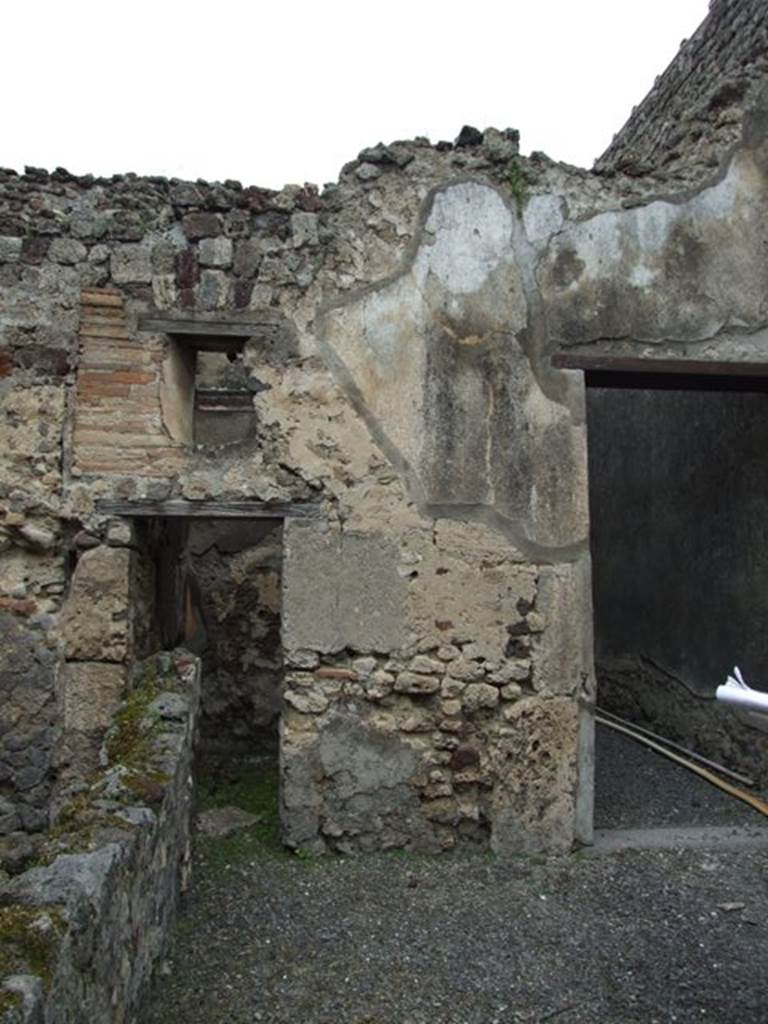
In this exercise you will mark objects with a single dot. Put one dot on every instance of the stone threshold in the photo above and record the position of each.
(704, 837)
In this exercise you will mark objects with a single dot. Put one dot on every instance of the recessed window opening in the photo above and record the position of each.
(208, 392)
(223, 411)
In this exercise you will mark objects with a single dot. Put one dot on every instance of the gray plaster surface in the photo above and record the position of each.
(634, 937)
(341, 589)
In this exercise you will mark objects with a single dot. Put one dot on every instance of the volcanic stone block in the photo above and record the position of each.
(131, 264)
(534, 806)
(215, 252)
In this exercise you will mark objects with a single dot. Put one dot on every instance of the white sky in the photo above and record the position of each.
(288, 92)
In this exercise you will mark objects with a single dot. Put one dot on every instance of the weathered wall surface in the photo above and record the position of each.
(671, 271)
(95, 629)
(449, 717)
(436, 610)
(82, 931)
(447, 358)
(33, 525)
(471, 605)
(28, 725)
(483, 398)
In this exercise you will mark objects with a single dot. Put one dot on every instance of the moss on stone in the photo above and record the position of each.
(149, 787)
(84, 839)
(518, 178)
(29, 940)
(10, 1002)
(128, 741)
(78, 828)
(71, 813)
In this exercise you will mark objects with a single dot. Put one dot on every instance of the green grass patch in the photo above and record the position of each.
(254, 791)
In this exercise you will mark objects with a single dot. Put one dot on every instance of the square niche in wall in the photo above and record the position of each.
(223, 402)
(207, 393)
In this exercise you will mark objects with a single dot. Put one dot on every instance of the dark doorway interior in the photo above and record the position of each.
(233, 574)
(213, 585)
(679, 534)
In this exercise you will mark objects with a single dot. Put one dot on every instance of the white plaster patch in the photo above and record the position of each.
(642, 276)
(472, 231)
(380, 339)
(543, 217)
(718, 202)
(599, 247)
(609, 241)
(653, 225)
(388, 316)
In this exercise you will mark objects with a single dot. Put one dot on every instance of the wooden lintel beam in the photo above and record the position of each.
(209, 342)
(191, 327)
(590, 362)
(207, 509)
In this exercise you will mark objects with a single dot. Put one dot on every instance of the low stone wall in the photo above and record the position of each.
(81, 931)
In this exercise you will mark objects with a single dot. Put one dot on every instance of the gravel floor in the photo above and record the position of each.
(652, 937)
(635, 787)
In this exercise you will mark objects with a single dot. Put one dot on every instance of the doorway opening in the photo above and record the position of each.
(209, 580)
(678, 484)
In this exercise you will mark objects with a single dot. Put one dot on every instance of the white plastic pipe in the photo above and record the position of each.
(750, 700)
(735, 691)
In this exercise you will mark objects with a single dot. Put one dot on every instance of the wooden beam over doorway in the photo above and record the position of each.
(207, 509)
(619, 371)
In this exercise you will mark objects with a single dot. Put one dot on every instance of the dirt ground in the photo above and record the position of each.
(637, 788)
(642, 936)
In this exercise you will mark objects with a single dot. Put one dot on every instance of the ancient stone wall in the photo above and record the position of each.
(29, 723)
(679, 134)
(464, 730)
(81, 931)
(396, 335)
(95, 628)
(284, 261)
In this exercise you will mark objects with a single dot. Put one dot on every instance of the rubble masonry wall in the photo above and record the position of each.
(436, 608)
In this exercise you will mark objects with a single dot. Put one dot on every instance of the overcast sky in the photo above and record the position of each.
(288, 92)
